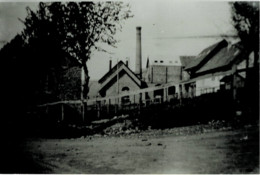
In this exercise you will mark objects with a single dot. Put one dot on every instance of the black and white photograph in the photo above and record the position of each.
(129, 87)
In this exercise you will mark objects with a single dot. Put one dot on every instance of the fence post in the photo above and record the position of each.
(129, 106)
(140, 103)
(47, 110)
(180, 93)
(165, 94)
(134, 101)
(115, 106)
(108, 106)
(62, 112)
(98, 106)
(83, 110)
(234, 87)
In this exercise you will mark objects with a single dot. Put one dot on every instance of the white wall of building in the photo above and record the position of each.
(207, 85)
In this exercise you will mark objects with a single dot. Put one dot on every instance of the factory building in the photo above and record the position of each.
(121, 78)
(161, 71)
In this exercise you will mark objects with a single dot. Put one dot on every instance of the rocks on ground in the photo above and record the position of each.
(123, 128)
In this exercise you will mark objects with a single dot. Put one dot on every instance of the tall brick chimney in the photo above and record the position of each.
(138, 61)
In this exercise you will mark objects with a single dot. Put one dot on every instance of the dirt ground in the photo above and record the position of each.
(233, 151)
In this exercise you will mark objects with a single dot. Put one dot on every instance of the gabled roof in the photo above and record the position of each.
(185, 60)
(110, 72)
(222, 58)
(119, 68)
(205, 55)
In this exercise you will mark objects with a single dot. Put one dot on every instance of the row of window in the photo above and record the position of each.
(161, 61)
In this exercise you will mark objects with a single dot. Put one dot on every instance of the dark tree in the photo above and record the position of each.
(245, 16)
(73, 30)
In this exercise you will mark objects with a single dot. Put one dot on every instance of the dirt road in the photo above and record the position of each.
(214, 152)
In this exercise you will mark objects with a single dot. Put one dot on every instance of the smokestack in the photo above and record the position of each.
(138, 61)
(110, 64)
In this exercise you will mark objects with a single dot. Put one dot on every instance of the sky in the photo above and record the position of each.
(170, 28)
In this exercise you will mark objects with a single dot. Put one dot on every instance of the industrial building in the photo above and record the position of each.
(121, 78)
(214, 68)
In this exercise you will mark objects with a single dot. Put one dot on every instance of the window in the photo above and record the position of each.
(158, 93)
(161, 61)
(125, 99)
(125, 88)
(171, 90)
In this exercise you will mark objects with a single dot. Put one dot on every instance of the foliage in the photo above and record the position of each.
(73, 30)
(245, 17)
(69, 85)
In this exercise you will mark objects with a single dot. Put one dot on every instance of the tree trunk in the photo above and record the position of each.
(84, 90)
(256, 57)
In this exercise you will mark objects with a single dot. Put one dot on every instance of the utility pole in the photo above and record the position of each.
(117, 77)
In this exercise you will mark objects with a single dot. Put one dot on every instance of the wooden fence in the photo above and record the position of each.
(126, 103)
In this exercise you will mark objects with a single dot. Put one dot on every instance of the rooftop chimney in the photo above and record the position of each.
(138, 61)
(126, 61)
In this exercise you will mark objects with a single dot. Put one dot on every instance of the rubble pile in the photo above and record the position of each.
(123, 128)
(127, 127)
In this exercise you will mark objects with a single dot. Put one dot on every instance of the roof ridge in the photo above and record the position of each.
(204, 54)
(111, 71)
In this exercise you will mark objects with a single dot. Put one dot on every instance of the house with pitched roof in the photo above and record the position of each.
(119, 79)
(209, 68)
